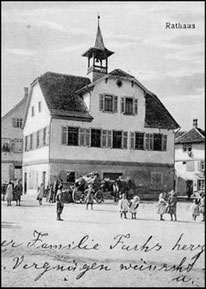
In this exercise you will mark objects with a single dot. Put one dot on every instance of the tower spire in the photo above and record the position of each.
(97, 56)
(99, 43)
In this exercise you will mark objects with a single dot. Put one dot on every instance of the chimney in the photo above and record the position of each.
(195, 122)
(26, 91)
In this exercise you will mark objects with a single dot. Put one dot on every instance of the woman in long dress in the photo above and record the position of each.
(9, 193)
(162, 205)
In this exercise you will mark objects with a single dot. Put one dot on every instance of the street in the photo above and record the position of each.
(96, 248)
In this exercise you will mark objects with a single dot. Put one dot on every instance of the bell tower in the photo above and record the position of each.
(97, 57)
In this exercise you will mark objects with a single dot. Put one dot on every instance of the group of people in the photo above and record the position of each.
(169, 205)
(126, 206)
(14, 191)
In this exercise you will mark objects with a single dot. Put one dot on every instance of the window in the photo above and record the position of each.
(95, 138)
(39, 106)
(117, 139)
(190, 166)
(37, 138)
(5, 145)
(73, 136)
(157, 142)
(129, 105)
(106, 138)
(149, 141)
(17, 122)
(32, 111)
(108, 103)
(139, 141)
(187, 147)
(201, 165)
(201, 185)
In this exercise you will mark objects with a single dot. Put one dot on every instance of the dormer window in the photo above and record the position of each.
(129, 105)
(108, 103)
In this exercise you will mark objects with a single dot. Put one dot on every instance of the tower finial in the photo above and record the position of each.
(98, 17)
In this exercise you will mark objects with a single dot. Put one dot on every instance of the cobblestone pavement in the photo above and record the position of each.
(99, 249)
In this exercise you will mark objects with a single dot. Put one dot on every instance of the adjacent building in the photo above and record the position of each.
(190, 160)
(107, 122)
(12, 141)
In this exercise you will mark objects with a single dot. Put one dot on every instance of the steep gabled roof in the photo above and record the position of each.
(195, 135)
(22, 101)
(59, 93)
(157, 116)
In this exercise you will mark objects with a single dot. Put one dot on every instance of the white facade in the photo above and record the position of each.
(190, 168)
(152, 170)
(12, 142)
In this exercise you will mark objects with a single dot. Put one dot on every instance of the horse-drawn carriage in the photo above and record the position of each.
(81, 185)
(103, 189)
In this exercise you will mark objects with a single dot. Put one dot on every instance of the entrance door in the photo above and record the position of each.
(189, 188)
(25, 183)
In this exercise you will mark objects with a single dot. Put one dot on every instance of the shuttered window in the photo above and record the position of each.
(108, 103)
(104, 138)
(129, 105)
(109, 138)
(117, 139)
(122, 105)
(73, 136)
(139, 140)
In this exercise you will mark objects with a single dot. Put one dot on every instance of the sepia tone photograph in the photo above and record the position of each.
(103, 144)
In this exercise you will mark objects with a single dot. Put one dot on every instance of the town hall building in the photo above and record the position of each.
(107, 122)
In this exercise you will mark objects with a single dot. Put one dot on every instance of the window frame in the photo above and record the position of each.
(100, 137)
(113, 139)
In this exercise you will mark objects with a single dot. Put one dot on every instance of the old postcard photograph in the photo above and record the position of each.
(103, 144)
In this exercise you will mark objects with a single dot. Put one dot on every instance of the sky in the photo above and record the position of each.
(51, 36)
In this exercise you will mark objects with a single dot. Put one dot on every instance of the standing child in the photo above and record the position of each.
(60, 203)
(134, 205)
(90, 197)
(40, 193)
(195, 209)
(9, 193)
(123, 206)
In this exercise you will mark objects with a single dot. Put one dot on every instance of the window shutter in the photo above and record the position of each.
(147, 141)
(13, 122)
(101, 102)
(82, 136)
(122, 104)
(104, 138)
(87, 137)
(135, 106)
(199, 165)
(132, 144)
(124, 146)
(164, 142)
(151, 141)
(47, 135)
(109, 138)
(115, 99)
(64, 135)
